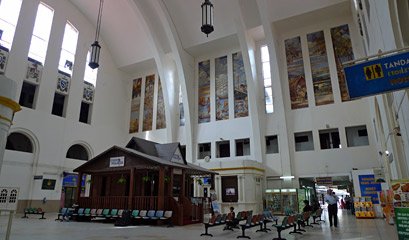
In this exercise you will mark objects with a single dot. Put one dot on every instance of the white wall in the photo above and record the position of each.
(53, 135)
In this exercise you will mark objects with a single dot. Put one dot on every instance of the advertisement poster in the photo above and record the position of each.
(400, 190)
(369, 187)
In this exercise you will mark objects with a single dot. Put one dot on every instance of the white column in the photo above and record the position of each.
(7, 109)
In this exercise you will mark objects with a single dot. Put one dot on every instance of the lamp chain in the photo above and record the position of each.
(101, 4)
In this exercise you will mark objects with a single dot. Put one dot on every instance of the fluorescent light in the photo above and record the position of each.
(287, 177)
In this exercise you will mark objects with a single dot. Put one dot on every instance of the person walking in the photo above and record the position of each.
(332, 201)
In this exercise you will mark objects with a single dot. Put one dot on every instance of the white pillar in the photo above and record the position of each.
(7, 109)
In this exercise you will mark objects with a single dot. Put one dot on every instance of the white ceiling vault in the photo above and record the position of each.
(125, 31)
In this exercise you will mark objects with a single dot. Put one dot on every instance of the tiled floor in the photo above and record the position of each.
(48, 229)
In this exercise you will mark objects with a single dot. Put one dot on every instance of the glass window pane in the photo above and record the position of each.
(90, 74)
(266, 70)
(9, 12)
(267, 82)
(268, 92)
(269, 108)
(265, 57)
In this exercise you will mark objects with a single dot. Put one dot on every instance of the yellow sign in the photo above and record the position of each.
(373, 72)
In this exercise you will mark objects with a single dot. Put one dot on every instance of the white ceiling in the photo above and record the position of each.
(123, 32)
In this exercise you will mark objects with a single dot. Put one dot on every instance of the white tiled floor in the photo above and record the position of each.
(48, 229)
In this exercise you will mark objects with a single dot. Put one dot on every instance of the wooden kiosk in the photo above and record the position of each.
(144, 175)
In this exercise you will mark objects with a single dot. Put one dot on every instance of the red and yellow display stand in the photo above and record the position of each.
(363, 207)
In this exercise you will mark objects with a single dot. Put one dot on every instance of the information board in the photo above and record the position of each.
(384, 74)
(369, 188)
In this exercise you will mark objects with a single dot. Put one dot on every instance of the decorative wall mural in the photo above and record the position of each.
(88, 93)
(4, 55)
(240, 87)
(296, 75)
(63, 82)
(222, 95)
(34, 71)
(135, 105)
(148, 103)
(181, 115)
(320, 69)
(204, 92)
(160, 113)
(343, 52)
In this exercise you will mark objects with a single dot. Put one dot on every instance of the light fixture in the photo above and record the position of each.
(207, 17)
(287, 177)
(95, 47)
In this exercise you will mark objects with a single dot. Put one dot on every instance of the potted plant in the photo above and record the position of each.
(145, 178)
(199, 181)
(121, 180)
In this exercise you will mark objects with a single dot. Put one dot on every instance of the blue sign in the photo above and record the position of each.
(377, 76)
(369, 187)
(70, 180)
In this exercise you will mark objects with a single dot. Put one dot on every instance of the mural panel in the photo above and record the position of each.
(296, 75)
(240, 87)
(135, 105)
(148, 103)
(321, 78)
(341, 41)
(160, 113)
(204, 91)
(181, 115)
(222, 96)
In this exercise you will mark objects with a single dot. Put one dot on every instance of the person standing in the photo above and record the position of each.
(332, 201)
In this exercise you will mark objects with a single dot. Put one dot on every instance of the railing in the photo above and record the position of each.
(146, 203)
(118, 202)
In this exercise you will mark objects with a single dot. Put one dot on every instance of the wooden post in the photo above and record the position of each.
(161, 188)
(183, 183)
(131, 188)
(213, 181)
(170, 186)
(79, 180)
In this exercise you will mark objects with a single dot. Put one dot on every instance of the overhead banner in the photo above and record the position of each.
(369, 188)
(384, 74)
(323, 181)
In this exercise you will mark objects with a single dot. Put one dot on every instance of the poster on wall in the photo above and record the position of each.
(296, 75)
(135, 105)
(342, 45)
(222, 95)
(321, 78)
(160, 113)
(204, 91)
(241, 108)
(48, 184)
(148, 103)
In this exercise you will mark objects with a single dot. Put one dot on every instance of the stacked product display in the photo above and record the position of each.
(364, 207)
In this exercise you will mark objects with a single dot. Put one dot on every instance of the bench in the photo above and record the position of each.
(286, 223)
(315, 215)
(252, 221)
(35, 211)
(216, 220)
(268, 217)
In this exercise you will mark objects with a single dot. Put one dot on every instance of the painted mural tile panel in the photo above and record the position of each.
(160, 114)
(148, 103)
(182, 119)
(320, 69)
(222, 95)
(241, 108)
(135, 105)
(341, 42)
(204, 91)
(296, 75)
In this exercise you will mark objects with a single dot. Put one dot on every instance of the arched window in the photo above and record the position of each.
(77, 152)
(19, 142)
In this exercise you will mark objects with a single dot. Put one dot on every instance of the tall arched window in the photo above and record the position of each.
(19, 142)
(77, 152)
(9, 12)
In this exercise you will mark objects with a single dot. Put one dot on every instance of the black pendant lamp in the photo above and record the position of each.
(207, 17)
(95, 47)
